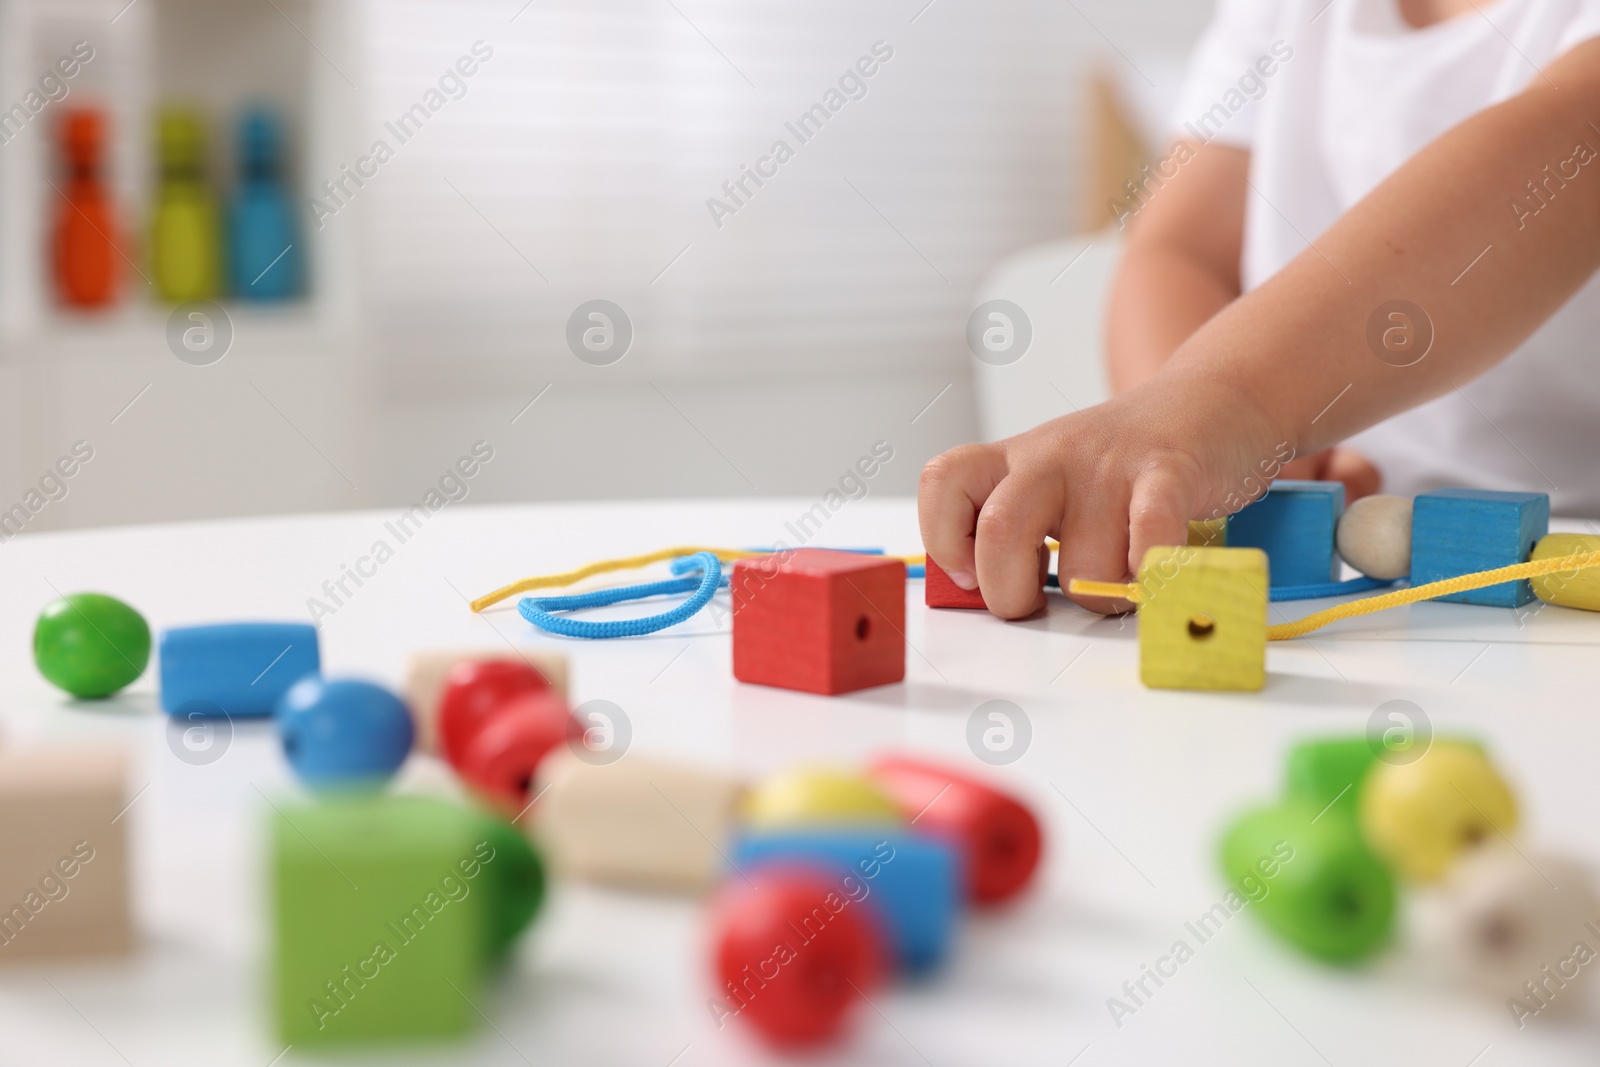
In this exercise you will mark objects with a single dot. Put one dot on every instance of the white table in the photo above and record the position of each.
(1132, 786)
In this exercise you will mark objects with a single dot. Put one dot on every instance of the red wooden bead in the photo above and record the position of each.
(791, 964)
(999, 836)
(473, 693)
(500, 761)
(819, 621)
(938, 591)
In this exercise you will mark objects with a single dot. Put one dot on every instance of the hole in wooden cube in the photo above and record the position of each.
(1202, 626)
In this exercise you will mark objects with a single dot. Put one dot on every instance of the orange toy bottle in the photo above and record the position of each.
(87, 274)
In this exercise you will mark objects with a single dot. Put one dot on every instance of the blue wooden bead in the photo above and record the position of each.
(913, 882)
(239, 669)
(343, 735)
(1295, 524)
(1460, 531)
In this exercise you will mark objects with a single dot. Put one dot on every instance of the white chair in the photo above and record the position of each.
(1061, 287)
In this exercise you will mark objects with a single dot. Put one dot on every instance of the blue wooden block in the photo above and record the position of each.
(912, 882)
(239, 668)
(1459, 531)
(1294, 524)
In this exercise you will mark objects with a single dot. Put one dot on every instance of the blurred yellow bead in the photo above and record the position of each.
(1422, 816)
(807, 796)
(1570, 589)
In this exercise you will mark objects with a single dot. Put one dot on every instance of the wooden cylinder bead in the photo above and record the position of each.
(1570, 589)
(1374, 536)
(1500, 923)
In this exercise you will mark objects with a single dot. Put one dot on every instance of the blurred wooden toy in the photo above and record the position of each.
(63, 852)
(1569, 589)
(426, 673)
(638, 822)
(90, 644)
(795, 956)
(1203, 618)
(1294, 523)
(819, 621)
(387, 913)
(938, 591)
(1208, 533)
(1518, 926)
(1421, 816)
(1461, 531)
(184, 250)
(998, 836)
(810, 796)
(497, 720)
(1328, 773)
(265, 259)
(343, 735)
(1374, 536)
(912, 881)
(87, 262)
(1310, 880)
(237, 669)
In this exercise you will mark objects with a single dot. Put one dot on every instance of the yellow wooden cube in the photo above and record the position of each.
(1570, 589)
(1208, 533)
(1203, 618)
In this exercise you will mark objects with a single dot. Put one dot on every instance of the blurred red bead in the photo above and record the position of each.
(999, 837)
(473, 694)
(501, 760)
(794, 954)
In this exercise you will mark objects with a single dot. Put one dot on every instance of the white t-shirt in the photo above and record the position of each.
(1330, 98)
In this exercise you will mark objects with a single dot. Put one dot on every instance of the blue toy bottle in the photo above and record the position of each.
(265, 253)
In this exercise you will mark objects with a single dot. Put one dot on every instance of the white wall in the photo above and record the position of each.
(825, 314)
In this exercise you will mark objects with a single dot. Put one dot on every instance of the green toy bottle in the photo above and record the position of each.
(184, 236)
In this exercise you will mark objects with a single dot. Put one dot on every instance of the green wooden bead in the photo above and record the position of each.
(1328, 771)
(387, 913)
(90, 644)
(1313, 883)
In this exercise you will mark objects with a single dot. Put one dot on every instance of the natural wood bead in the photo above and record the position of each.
(1375, 536)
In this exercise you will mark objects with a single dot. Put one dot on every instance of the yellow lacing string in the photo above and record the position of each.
(1285, 630)
(606, 566)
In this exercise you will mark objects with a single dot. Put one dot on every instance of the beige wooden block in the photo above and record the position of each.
(63, 852)
(639, 822)
(426, 672)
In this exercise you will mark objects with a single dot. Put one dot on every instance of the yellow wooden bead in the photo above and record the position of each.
(1570, 589)
(1203, 618)
(808, 796)
(1208, 533)
(1421, 816)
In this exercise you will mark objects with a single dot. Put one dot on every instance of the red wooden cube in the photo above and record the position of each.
(938, 591)
(819, 621)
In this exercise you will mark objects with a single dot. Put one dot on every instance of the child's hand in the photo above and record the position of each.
(1338, 464)
(1108, 483)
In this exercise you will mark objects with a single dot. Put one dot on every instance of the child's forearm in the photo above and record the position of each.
(1441, 233)
(1180, 264)
(1161, 296)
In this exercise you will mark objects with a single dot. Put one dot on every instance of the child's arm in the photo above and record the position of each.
(1287, 366)
(1180, 263)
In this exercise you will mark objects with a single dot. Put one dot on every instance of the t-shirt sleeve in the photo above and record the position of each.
(1585, 25)
(1240, 35)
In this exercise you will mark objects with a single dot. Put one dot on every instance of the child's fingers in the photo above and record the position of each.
(1094, 544)
(1356, 471)
(953, 488)
(1021, 512)
(1158, 514)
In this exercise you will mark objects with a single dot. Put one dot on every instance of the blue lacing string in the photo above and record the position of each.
(1279, 593)
(703, 577)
